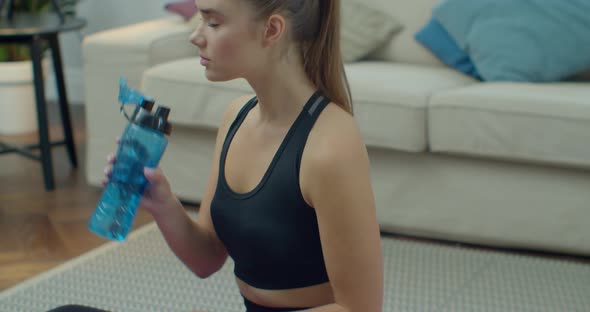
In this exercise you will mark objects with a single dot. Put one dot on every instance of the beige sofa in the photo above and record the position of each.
(500, 164)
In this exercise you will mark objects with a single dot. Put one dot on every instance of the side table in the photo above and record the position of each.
(33, 30)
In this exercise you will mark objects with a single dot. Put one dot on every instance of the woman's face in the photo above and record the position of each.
(227, 39)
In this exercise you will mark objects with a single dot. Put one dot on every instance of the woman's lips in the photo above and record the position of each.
(204, 61)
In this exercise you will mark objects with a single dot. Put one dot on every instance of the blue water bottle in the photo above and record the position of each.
(142, 145)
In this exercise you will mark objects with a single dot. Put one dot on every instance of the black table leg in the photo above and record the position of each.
(63, 99)
(44, 145)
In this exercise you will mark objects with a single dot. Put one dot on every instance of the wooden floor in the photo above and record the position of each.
(39, 229)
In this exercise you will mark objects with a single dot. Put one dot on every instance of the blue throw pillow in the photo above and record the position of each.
(436, 39)
(520, 40)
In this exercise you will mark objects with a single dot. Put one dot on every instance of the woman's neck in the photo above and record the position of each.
(282, 90)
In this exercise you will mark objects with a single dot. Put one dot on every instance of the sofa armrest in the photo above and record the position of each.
(148, 43)
(127, 51)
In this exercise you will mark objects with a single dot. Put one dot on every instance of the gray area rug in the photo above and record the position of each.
(142, 274)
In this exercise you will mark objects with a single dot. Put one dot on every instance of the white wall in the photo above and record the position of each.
(100, 15)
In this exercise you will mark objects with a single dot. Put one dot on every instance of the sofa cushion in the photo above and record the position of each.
(403, 47)
(139, 44)
(390, 100)
(514, 121)
(193, 100)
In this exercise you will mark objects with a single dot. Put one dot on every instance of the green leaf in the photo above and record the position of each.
(15, 52)
(3, 54)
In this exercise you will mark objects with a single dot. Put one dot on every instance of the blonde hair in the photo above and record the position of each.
(316, 26)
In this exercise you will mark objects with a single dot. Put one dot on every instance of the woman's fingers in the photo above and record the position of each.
(111, 158)
(108, 170)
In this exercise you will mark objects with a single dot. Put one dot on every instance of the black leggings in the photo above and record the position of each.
(253, 307)
(76, 308)
(250, 307)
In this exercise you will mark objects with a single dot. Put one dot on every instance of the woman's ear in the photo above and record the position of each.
(274, 30)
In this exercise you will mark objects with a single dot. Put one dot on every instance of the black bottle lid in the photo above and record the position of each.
(158, 121)
(145, 107)
(161, 118)
(147, 103)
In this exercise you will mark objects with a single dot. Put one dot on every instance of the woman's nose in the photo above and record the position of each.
(197, 39)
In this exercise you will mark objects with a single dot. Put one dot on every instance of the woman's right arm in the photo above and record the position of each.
(195, 243)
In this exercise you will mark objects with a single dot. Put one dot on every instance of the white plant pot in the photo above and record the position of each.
(18, 112)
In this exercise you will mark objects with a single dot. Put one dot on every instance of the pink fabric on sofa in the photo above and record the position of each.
(186, 8)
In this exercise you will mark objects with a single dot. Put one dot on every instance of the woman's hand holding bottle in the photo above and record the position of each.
(157, 196)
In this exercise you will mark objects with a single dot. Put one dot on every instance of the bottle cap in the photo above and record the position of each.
(147, 103)
(161, 118)
(144, 107)
(158, 121)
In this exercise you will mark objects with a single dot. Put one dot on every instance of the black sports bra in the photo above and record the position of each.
(271, 233)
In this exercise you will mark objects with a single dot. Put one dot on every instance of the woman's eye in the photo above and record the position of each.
(213, 25)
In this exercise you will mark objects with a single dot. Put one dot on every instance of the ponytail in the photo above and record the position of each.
(316, 26)
(323, 57)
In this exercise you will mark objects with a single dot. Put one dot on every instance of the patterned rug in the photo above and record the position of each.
(142, 274)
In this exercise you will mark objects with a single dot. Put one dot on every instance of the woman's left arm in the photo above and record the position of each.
(339, 188)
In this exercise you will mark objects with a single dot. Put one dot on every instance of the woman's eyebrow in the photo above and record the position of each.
(209, 11)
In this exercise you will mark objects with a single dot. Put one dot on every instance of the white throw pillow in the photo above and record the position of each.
(364, 29)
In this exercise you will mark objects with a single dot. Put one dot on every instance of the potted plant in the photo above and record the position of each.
(17, 108)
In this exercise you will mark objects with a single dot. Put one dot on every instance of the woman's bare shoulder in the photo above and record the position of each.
(334, 152)
(232, 109)
(335, 131)
(334, 144)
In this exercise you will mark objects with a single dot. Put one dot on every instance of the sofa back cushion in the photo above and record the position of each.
(413, 15)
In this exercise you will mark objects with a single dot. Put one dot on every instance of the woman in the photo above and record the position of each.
(289, 195)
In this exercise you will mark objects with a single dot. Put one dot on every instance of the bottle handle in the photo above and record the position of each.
(129, 96)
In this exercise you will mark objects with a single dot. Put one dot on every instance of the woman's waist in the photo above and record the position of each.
(309, 296)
